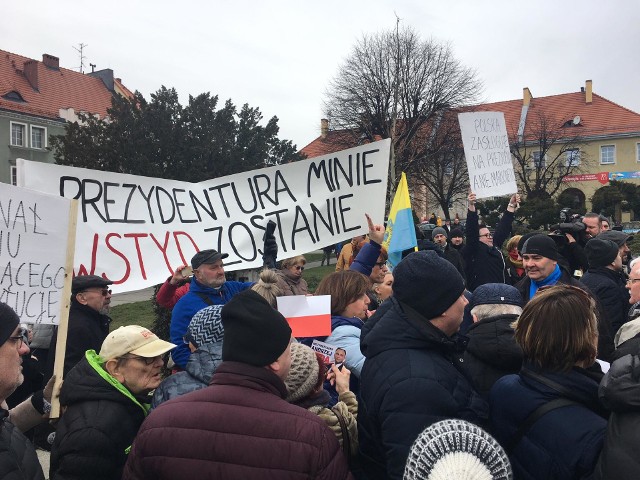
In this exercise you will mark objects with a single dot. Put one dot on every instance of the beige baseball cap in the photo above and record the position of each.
(133, 339)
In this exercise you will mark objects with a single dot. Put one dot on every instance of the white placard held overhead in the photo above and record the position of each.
(486, 148)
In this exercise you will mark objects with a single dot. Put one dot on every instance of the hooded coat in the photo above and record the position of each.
(95, 433)
(620, 392)
(492, 352)
(409, 381)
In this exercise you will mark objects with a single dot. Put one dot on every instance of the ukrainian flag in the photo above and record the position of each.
(400, 234)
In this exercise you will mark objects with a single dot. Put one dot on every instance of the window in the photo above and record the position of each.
(572, 157)
(18, 131)
(38, 137)
(607, 154)
(14, 175)
(538, 160)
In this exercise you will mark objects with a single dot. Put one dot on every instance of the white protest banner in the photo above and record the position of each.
(308, 315)
(486, 148)
(327, 351)
(136, 230)
(33, 253)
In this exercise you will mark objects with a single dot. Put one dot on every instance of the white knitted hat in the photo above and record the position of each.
(455, 449)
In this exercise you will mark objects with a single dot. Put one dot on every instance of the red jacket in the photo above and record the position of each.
(168, 295)
(240, 427)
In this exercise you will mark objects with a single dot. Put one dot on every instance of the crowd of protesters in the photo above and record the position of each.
(481, 355)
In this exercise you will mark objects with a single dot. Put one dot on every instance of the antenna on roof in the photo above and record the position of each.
(93, 67)
(82, 57)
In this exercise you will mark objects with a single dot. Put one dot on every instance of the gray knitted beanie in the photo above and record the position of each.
(303, 375)
(456, 449)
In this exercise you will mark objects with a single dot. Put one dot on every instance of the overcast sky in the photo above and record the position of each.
(280, 55)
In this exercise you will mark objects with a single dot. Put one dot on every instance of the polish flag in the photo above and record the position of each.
(308, 315)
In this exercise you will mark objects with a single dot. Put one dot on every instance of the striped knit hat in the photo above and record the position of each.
(456, 449)
(205, 327)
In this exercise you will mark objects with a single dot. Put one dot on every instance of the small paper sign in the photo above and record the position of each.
(324, 349)
(308, 316)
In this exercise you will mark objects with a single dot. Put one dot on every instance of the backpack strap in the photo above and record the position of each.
(535, 416)
(563, 391)
(205, 298)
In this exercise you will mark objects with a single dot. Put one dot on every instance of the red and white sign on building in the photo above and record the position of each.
(602, 177)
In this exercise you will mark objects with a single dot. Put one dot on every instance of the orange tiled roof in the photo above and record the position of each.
(61, 88)
(600, 117)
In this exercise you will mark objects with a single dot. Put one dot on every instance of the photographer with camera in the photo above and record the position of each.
(571, 236)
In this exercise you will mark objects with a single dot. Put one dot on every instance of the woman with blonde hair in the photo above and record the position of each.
(515, 269)
(548, 416)
(290, 281)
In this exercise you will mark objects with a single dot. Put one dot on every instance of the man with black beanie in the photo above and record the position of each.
(18, 459)
(410, 379)
(540, 261)
(240, 427)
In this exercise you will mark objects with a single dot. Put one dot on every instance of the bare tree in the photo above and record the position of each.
(397, 75)
(546, 151)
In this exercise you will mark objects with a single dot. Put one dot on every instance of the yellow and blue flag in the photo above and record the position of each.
(400, 234)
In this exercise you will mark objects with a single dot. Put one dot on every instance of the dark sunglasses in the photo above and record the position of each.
(380, 264)
(298, 267)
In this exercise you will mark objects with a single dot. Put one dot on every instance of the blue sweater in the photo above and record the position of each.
(192, 303)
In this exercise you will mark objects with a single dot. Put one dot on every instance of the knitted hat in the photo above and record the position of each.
(303, 375)
(9, 320)
(439, 231)
(205, 327)
(207, 256)
(254, 332)
(524, 238)
(600, 253)
(456, 232)
(456, 449)
(496, 294)
(427, 283)
(542, 245)
(615, 236)
(81, 283)
(133, 339)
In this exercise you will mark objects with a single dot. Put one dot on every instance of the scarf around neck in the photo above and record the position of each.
(550, 280)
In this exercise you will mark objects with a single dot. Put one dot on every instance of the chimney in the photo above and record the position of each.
(324, 127)
(50, 61)
(106, 75)
(588, 94)
(30, 71)
(526, 97)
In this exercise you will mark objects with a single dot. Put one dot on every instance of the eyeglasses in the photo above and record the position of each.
(488, 235)
(21, 338)
(104, 291)
(380, 264)
(298, 267)
(145, 360)
(631, 281)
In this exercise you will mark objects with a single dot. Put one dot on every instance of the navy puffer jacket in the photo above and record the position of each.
(409, 381)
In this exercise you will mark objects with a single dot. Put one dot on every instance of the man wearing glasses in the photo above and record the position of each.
(482, 255)
(18, 458)
(88, 320)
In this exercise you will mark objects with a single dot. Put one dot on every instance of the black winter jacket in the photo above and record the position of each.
(409, 381)
(610, 288)
(620, 392)
(492, 352)
(87, 330)
(454, 257)
(95, 433)
(485, 264)
(18, 459)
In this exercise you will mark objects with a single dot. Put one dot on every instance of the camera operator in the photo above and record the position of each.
(571, 236)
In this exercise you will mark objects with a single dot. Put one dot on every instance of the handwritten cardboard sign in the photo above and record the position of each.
(33, 248)
(486, 148)
(136, 230)
(308, 315)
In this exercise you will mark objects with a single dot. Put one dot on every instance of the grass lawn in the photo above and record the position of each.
(141, 313)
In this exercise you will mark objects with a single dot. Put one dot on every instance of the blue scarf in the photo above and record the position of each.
(550, 280)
